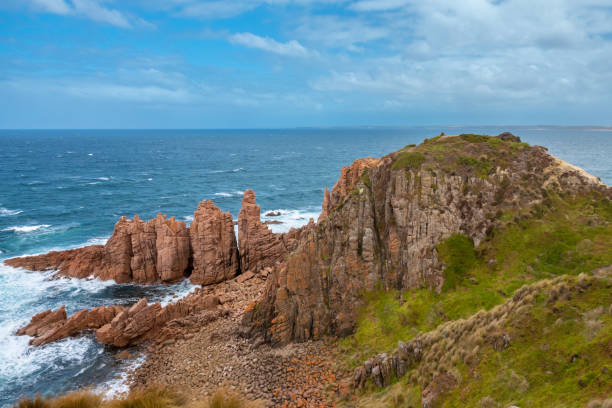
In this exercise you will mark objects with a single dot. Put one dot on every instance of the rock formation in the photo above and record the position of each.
(385, 218)
(50, 326)
(259, 246)
(213, 244)
(166, 250)
(115, 325)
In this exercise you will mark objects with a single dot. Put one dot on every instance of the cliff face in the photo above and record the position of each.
(385, 217)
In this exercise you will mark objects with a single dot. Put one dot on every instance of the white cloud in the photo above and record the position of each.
(52, 6)
(216, 9)
(378, 5)
(290, 48)
(93, 10)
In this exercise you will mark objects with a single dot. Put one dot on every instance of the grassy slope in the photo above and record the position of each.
(563, 236)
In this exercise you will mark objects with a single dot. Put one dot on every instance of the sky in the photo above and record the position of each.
(282, 63)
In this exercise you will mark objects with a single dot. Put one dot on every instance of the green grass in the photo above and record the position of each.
(481, 167)
(570, 236)
(458, 254)
(559, 356)
(408, 160)
(473, 138)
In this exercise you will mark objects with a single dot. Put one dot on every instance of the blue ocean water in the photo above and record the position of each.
(67, 188)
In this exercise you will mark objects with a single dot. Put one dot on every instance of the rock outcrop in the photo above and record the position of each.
(385, 218)
(144, 252)
(50, 326)
(143, 321)
(166, 250)
(78, 263)
(213, 244)
(259, 246)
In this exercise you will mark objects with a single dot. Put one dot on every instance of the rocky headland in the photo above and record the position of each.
(409, 246)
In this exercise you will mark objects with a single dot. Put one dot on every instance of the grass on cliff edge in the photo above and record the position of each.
(560, 355)
(152, 397)
(465, 154)
(569, 236)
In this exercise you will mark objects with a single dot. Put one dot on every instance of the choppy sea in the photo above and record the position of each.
(61, 189)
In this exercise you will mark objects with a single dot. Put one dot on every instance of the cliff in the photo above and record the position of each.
(385, 217)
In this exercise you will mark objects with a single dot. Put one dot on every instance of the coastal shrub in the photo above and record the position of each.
(458, 255)
(473, 138)
(482, 167)
(408, 159)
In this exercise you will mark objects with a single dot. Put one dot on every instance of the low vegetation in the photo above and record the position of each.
(562, 236)
(152, 397)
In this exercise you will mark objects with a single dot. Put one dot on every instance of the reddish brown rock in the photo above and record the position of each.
(213, 243)
(326, 206)
(144, 322)
(44, 322)
(51, 326)
(259, 246)
(349, 176)
(138, 251)
(78, 263)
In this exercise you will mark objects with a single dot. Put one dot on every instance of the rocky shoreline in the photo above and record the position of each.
(270, 305)
(200, 359)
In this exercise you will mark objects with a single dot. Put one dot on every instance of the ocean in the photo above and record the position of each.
(61, 189)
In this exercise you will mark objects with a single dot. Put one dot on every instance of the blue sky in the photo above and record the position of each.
(281, 63)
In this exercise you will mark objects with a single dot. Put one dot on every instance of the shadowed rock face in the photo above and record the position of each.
(384, 220)
(213, 244)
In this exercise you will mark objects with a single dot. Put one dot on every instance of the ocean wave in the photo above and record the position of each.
(232, 194)
(228, 171)
(290, 218)
(5, 212)
(103, 178)
(26, 228)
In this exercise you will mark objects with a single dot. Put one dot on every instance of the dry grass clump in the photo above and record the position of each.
(152, 397)
(78, 399)
(227, 399)
(487, 402)
(597, 403)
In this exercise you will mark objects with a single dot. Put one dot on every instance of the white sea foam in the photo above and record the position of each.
(120, 385)
(26, 228)
(290, 218)
(25, 294)
(177, 292)
(223, 194)
(103, 178)
(90, 154)
(5, 212)
(239, 169)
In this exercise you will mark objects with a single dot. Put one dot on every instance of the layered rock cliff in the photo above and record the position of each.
(383, 219)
